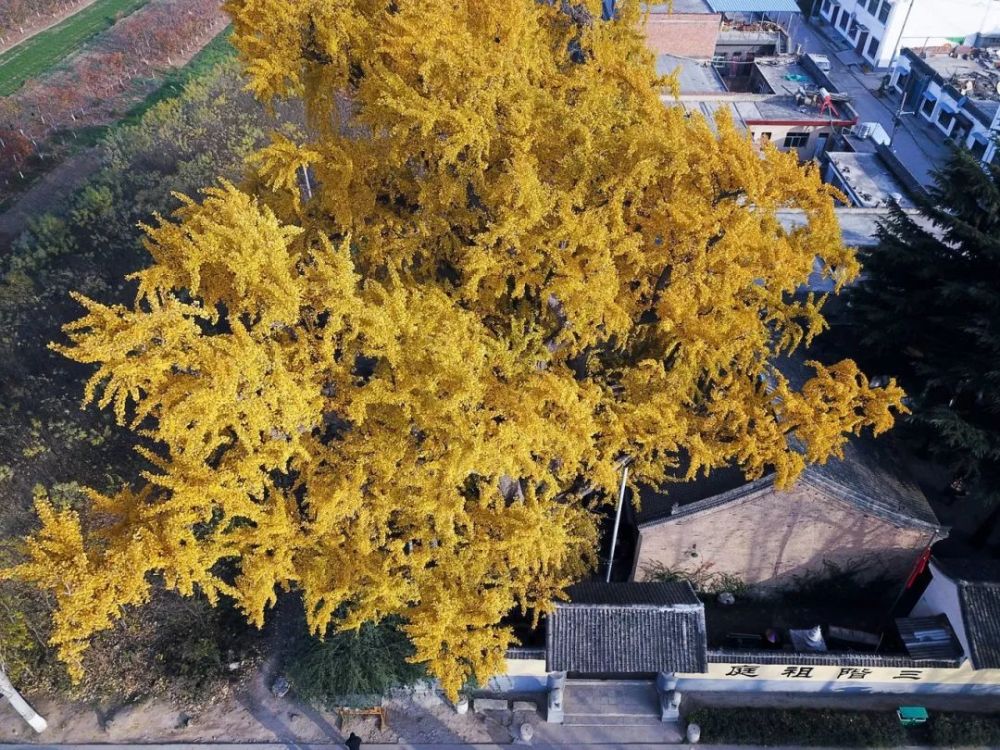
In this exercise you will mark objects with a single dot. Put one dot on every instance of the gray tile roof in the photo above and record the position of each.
(627, 628)
(520, 653)
(981, 615)
(634, 592)
(869, 476)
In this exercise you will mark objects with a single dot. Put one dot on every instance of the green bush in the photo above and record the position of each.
(767, 726)
(702, 578)
(962, 730)
(349, 668)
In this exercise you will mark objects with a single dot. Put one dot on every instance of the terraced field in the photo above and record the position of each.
(47, 49)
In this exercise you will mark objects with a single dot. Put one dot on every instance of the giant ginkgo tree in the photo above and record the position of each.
(398, 367)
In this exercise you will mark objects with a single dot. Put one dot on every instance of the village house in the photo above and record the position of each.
(957, 92)
(631, 649)
(721, 30)
(782, 102)
(878, 29)
(967, 592)
(857, 513)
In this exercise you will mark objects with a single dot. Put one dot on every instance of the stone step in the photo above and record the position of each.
(571, 736)
(619, 712)
(603, 684)
(611, 720)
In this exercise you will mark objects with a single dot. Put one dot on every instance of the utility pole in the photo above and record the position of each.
(20, 705)
(896, 118)
(618, 519)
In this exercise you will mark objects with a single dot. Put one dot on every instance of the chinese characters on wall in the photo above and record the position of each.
(824, 672)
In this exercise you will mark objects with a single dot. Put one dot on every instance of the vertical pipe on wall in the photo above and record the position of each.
(618, 518)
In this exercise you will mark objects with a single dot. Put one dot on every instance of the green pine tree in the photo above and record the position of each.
(927, 310)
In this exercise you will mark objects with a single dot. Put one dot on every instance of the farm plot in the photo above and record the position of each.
(39, 54)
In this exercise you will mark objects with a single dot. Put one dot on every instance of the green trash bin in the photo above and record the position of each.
(911, 716)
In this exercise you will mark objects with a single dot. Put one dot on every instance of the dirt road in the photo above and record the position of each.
(47, 192)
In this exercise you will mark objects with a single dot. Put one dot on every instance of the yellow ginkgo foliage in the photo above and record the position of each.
(397, 368)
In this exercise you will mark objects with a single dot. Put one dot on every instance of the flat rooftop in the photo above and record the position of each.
(708, 108)
(971, 70)
(870, 179)
(755, 109)
(680, 6)
(783, 75)
(694, 77)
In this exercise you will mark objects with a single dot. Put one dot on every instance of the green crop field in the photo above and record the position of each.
(40, 53)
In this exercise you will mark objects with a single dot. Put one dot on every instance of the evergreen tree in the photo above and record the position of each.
(928, 310)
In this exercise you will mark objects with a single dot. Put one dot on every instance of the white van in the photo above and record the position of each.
(821, 61)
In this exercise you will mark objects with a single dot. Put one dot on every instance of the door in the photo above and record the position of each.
(821, 140)
(862, 41)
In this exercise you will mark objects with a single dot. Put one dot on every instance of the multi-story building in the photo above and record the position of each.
(724, 30)
(959, 95)
(784, 105)
(879, 29)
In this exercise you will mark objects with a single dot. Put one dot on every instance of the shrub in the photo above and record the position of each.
(703, 579)
(348, 668)
(851, 580)
(756, 726)
(962, 730)
(24, 630)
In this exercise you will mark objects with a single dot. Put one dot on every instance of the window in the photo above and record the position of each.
(901, 81)
(927, 107)
(945, 120)
(844, 20)
(827, 5)
(873, 47)
(883, 12)
(796, 140)
(872, 6)
(764, 137)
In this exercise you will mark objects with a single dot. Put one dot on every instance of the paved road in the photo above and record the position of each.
(408, 746)
(911, 142)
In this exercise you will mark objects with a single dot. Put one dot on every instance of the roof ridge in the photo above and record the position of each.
(679, 607)
(718, 500)
(813, 476)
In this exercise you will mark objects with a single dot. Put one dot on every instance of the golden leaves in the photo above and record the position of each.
(403, 396)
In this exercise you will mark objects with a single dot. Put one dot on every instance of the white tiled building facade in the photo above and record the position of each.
(878, 29)
(970, 122)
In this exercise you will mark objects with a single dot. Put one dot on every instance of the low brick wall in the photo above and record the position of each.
(683, 34)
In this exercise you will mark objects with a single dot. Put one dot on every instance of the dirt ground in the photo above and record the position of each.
(46, 193)
(253, 714)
